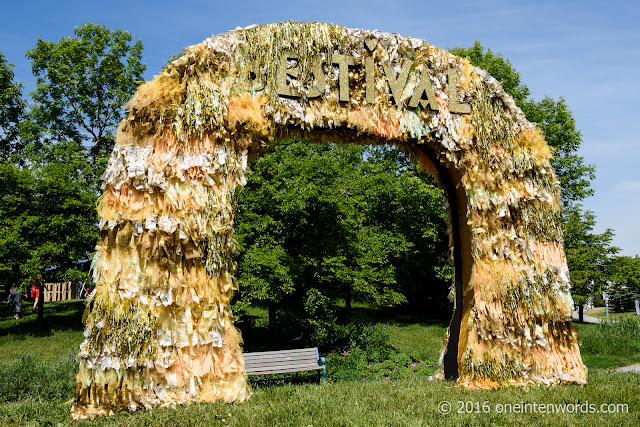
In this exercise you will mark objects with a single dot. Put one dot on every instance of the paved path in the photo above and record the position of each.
(630, 368)
(588, 319)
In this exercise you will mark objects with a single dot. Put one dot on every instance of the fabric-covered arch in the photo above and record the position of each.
(159, 329)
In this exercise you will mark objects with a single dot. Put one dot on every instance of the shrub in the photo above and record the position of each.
(365, 336)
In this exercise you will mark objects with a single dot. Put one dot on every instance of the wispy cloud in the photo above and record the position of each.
(632, 186)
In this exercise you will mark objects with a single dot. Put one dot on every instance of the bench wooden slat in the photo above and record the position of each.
(313, 363)
(279, 371)
(283, 357)
(280, 353)
(268, 360)
(283, 362)
(301, 366)
(292, 350)
(284, 368)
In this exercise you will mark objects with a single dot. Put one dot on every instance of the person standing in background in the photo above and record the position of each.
(15, 299)
(35, 292)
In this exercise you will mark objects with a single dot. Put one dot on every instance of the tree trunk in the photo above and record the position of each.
(347, 307)
(41, 306)
(581, 313)
(272, 318)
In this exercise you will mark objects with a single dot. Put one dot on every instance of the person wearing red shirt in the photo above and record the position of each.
(35, 292)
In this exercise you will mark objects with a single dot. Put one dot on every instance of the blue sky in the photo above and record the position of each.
(587, 52)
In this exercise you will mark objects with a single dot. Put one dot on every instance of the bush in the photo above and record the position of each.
(365, 336)
(371, 357)
(330, 335)
(29, 378)
(352, 367)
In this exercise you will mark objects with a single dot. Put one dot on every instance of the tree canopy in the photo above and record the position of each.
(54, 149)
(553, 117)
(11, 109)
(320, 224)
(47, 215)
(83, 83)
(624, 282)
(588, 253)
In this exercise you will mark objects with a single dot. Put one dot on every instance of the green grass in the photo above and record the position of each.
(609, 345)
(600, 312)
(58, 334)
(423, 340)
(375, 388)
(407, 402)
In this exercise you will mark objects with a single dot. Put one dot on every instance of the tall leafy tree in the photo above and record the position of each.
(320, 224)
(12, 109)
(16, 188)
(555, 120)
(588, 254)
(307, 244)
(55, 152)
(553, 117)
(409, 204)
(47, 215)
(498, 67)
(82, 83)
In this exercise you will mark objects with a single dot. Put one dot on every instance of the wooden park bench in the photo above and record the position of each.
(285, 362)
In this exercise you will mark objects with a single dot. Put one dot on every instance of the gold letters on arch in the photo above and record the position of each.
(160, 328)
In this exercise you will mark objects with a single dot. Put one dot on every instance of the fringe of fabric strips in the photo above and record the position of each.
(159, 328)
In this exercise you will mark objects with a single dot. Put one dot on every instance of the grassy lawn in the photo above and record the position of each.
(600, 312)
(363, 396)
(60, 333)
(407, 402)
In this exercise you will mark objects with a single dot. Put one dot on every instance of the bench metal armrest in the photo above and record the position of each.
(321, 362)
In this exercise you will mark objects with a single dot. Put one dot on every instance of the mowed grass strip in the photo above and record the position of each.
(601, 313)
(407, 402)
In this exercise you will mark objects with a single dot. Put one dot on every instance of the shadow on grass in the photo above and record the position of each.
(253, 324)
(406, 314)
(58, 316)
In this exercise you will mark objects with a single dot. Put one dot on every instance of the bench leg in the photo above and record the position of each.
(324, 370)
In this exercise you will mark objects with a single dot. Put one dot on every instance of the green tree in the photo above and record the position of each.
(16, 187)
(498, 67)
(11, 109)
(559, 127)
(588, 254)
(54, 153)
(47, 215)
(624, 282)
(82, 83)
(554, 118)
(410, 205)
(319, 224)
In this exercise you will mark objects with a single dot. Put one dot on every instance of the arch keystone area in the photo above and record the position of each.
(160, 328)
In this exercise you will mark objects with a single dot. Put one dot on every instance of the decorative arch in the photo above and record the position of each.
(159, 328)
